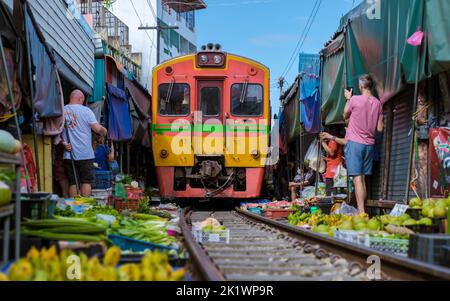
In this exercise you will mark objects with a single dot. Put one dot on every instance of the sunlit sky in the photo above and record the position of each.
(269, 30)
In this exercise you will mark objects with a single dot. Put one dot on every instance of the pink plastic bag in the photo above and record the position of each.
(416, 39)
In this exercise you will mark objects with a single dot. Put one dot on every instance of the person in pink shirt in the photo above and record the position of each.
(365, 117)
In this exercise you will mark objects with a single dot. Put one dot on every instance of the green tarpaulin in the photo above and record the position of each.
(99, 80)
(291, 104)
(368, 44)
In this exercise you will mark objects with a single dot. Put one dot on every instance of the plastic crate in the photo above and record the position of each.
(355, 237)
(213, 236)
(102, 196)
(430, 248)
(37, 205)
(134, 193)
(389, 245)
(134, 245)
(121, 205)
(103, 179)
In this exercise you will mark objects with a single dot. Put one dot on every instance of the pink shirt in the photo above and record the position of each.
(364, 115)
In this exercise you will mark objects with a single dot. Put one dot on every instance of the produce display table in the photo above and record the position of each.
(7, 211)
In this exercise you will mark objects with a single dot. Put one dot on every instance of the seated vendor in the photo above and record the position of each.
(308, 178)
(103, 154)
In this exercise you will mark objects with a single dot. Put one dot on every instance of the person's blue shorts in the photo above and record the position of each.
(359, 159)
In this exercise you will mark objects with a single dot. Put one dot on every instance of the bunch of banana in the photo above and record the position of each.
(48, 265)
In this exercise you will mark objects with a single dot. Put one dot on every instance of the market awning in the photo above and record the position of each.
(119, 120)
(379, 47)
(182, 6)
(70, 75)
(141, 99)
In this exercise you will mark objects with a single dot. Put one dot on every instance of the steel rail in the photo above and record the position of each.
(396, 267)
(202, 262)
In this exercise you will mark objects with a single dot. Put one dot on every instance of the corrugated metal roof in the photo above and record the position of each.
(66, 36)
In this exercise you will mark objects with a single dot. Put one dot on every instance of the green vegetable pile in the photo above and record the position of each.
(63, 228)
(144, 207)
(153, 230)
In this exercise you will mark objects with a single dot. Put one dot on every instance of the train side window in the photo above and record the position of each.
(250, 104)
(174, 99)
(210, 101)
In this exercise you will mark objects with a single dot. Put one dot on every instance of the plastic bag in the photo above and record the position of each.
(340, 177)
(311, 157)
(347, 210)
(309, 192)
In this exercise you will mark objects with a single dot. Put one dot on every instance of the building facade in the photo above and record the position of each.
(150, 13)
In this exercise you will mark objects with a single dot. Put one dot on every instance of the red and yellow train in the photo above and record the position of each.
(211, 122)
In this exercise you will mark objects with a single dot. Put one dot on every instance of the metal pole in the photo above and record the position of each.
(16, 118)
(77, 183)
(158, 29)
(416, 92)
(32, 92)
(413, 134)
(158, 45)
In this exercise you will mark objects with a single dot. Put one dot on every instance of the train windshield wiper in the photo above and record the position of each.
(244, 92)
(169, 91)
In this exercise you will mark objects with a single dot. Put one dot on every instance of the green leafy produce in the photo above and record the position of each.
(107, 210)
(152, 231)
(67, 212)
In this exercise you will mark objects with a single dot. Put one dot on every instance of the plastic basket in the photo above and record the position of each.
(102, 196)
(429, 248)
(134, 193)
(389, 245)
(213, 236)
(134, 245)
(103, 179)
(121, 205)
(355, 237)
(37, 205)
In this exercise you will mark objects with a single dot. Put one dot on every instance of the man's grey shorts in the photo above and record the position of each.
(359, 159)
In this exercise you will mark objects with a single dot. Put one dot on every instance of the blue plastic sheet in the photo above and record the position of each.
(119, 119)
(309, 68)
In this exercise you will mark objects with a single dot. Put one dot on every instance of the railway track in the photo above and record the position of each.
(262, 249)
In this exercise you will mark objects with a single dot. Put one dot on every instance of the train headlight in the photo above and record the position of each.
(217, 59)
(164, 154)
(255, 154)
(204, 59)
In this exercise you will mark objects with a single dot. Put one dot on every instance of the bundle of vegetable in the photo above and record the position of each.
(72, 229)
(48, 265)
(211, 224)
(152, 231)
(144, 207)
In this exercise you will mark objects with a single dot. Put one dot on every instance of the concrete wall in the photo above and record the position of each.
(145, 41)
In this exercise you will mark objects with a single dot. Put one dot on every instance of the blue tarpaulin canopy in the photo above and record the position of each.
(119, 119)
(309, 70)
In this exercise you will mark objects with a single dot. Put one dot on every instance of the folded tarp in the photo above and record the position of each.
(119, 120)
(48, 100)
(140, 103)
